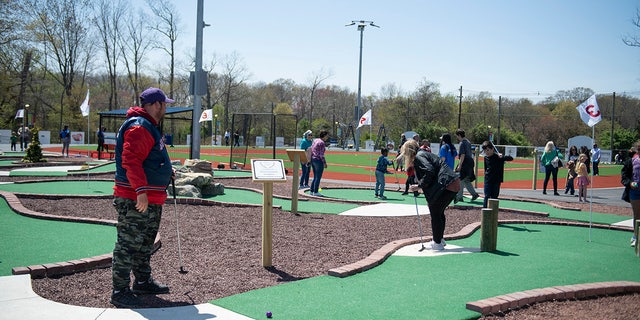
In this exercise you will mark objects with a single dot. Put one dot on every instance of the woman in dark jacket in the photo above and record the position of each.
(438, 183)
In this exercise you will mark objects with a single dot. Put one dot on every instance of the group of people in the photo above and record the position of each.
(578, 168)
(314, 150)
(144, 171)
(24, 137)
(236, 138)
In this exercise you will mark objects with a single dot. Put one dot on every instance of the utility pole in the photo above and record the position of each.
(499, 107)
(361, 24)
(198, 80)
(460, 108)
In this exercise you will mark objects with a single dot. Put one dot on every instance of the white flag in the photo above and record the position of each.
(206, 115)
(84, 107)
(589, 111)
(365, 119)
(20, 113)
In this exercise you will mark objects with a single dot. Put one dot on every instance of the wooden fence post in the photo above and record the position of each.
(489, 227)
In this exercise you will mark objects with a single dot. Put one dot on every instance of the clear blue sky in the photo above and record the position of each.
(509, 48)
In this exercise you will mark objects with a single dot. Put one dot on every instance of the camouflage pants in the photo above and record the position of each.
(136, 234)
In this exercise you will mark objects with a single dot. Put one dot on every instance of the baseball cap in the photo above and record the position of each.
(153, 95)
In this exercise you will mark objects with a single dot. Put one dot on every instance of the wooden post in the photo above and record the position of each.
(535, 169)
(267, 171)
(267, 224)
(294, 185)
(297, 156)
(635, 234)
(489, 227)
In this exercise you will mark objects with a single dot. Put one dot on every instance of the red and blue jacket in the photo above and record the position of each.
(142, 161)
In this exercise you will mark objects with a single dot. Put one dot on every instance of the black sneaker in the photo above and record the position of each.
(125, 299)
(475, 197)
(149, 287)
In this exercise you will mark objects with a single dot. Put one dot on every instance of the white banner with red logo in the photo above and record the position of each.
(365, 119)
(589, 111)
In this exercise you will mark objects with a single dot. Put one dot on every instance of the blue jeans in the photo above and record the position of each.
(318, 169)
(379, 183)
(304, 179)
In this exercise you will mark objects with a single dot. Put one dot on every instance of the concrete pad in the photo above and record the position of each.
(387, 210)
(49, 169)
(18, 301)
(414, 251)
(625, 223)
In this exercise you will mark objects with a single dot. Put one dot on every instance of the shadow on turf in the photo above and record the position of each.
(284, 276)
(522, 229)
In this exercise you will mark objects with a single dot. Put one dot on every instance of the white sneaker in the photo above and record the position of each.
(435, 246)
(633, 241)
(318, 194)
(443, 243)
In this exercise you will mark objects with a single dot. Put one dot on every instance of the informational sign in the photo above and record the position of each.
(268, 170)
(77, 137)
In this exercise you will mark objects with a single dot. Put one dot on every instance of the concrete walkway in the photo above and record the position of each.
(18, 301)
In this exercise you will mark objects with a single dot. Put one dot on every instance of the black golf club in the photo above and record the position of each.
(415, 199)
(175, 210)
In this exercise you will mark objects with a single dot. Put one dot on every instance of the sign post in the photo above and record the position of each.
(297, 156)
(267, 171)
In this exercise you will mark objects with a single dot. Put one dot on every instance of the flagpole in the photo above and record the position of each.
(370, 157)
(590, 114)
(593, 131)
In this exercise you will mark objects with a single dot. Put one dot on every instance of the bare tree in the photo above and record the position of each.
(107, 22)
(316, 79)
(134, 45)
(168, 26)
(633, 40)
(61, 26)
(234, 75)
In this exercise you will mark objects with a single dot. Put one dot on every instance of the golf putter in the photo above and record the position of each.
(415, 199)
(175, 210)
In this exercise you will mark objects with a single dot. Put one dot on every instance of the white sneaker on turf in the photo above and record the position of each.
(633, 241)
(435, 246)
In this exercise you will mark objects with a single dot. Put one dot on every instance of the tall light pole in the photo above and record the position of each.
(199, 82)
(215, 130)
(361, 24)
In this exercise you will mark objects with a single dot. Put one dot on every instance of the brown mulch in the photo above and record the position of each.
(221, 250)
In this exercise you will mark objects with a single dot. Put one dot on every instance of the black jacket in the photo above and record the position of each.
(433, 174)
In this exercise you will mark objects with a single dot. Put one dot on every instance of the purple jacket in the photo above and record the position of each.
(317, 150)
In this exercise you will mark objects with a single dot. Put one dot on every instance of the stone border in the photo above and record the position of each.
(516, 300)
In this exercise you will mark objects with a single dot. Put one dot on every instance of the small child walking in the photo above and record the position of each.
(381, 170)
(571, 176)
(583, 177)
(493, 171)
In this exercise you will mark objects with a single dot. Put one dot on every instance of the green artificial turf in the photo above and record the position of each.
(29, 241)
(529, 256)
(61, 187)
